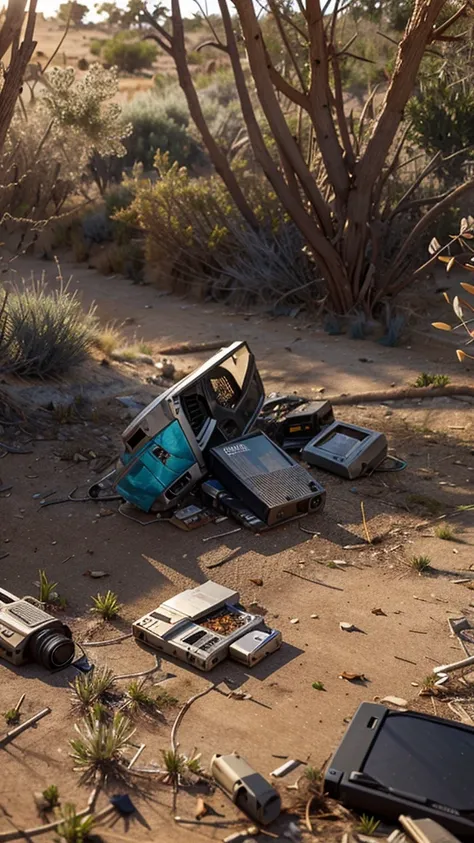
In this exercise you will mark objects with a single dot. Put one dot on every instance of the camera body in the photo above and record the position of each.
(27, 633)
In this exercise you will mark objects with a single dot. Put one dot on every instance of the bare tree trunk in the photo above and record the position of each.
(21, 53)
(359, 210)
(175, 46)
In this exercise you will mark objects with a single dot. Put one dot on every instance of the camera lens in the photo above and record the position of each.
(52, 648)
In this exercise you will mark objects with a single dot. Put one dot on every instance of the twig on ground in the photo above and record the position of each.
(190, 347)
(18, 729)
(402, 393)
(187, 705)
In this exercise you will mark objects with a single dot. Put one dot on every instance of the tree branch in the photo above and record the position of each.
(324, 253)
(286, 41)
(447, 200)
(319, 95)
(218, 45)
(276, 119)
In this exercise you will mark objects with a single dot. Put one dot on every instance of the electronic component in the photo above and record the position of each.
(426, 831)
(403, 762)
(28, 634)
(200, 625)
(255, 646)
(163, 456)
(247, 788)
(215, 495)
(346, 449)
(301, 424)
(266, 479)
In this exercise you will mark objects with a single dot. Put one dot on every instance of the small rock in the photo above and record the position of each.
(347, 627)
(379, 612)
(257, 581)
(395, 701)
(294, 620)
(315, 616)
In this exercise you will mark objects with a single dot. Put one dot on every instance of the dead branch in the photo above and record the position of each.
(402, 394)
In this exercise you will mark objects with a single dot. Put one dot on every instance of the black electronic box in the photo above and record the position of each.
(346, 449)
(403, 762)
(301, 424)
(266, 479)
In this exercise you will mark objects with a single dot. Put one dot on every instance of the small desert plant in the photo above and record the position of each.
(90, 688)
(368, 825)
(50, 331)
(164, 699)
(100, 745)
(446, 532)
(318, 686)
(47, 589)
(138, 697)
(12, 717)
(425, 379)
(178, 766)
(313, 776)
(51, 796)
(73, 828)
(106, 605)
(429, 682)
(422, 564)
(106, 339)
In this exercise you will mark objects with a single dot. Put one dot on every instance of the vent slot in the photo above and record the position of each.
(196, 412)
(226, 391)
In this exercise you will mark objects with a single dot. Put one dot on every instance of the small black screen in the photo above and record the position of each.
(425, 758)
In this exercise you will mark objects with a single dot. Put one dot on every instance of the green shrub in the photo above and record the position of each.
(442, 117)
(192, 224)
(128, 54)
(95, 47)
(48, 330)
(160, 123)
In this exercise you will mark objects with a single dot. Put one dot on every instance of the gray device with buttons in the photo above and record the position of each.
(346, 449)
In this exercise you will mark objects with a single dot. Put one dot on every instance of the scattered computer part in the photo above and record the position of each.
(199, 626)
(426, 831)
(346, 449)
(266, 479)
(304, 422)
(214, 495)
(404, 762)
(248, 789)
(255, 645)
(28, 634)
(165, 445)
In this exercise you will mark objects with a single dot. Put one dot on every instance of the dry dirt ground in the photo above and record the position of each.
(285, 716)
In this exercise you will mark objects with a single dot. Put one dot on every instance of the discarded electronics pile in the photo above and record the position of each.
(212, 442)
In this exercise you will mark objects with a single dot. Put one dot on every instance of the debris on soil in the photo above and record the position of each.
(294, 620)
(347, 627)
(96, 575)
(353, 677)
(398, 701)
(257, 581)
(202, 808)
(379, 612)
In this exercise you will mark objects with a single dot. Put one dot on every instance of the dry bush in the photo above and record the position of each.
(45, 332)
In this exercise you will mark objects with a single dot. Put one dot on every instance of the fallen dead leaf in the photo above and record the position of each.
(256, 581)
(352, 677)
(103, 513)
(379, 612)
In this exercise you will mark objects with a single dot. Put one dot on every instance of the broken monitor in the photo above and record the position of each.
(165, 445)
(346, 449)
(405, 762)
(204, 625)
